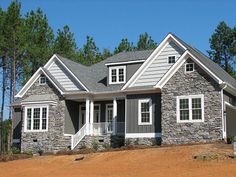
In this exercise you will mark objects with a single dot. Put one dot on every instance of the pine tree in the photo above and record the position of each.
(124, 46)
(146, 42)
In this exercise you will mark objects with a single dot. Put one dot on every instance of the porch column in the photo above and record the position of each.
(87, 115)
(114, 116)
(91, 116)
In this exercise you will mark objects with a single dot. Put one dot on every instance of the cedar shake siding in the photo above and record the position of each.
(194, 83)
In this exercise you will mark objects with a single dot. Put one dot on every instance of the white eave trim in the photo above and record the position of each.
(179, 63)
(38, 102)
(230, 105)
(32, 80)
(50, 62)
(150, 59)
(125, 62)
(229, 88)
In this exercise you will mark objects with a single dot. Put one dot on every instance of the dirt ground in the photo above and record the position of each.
(165, 162)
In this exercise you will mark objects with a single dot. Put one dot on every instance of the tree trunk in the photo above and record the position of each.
(3, 100)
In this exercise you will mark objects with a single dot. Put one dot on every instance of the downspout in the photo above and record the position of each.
(222, 111)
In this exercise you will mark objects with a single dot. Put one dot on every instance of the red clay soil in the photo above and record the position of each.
(164, 162)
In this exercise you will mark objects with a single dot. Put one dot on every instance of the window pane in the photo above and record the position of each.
(44, 113)
(145, 117)
(44, 124)
(113, 75)
(145, 107)
(36, 118)
(183, 103)
(184, 114)
(28, 119)
(196, 103)
(121, 75)
(197, 114)
(189, 67)
(171, 59)
(44, 118)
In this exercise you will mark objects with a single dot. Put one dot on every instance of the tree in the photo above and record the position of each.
(146, 42)
(65, 44)
(39, 40)
(124, 46)
(222, 44)
(106, 53)
(89, 54)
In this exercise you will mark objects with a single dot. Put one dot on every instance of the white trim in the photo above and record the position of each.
(178, 64)
(38, 102)
(143, 135)
(40, 106)
(140, 101)
(109, 104)
(49, 64)
(125, 115)
(16, 140)
(99, 111)
(117, 74)
(67, 134)
(32, 80)
(125, 62)
(114, 116)
(223, 118)
(87, 113)
(189, 97)
(230, 105)
(185, 68)
(150, 59)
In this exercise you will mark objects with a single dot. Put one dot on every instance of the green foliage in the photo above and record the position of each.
(146, 42)
(15, 150)
(124, 46)
(223, 47)
(65, 44)
(95, 144)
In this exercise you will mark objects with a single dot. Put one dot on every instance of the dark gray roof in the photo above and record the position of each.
(215, 68)
(95, 77)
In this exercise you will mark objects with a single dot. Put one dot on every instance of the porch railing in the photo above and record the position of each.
(97, 129)
(76, 138)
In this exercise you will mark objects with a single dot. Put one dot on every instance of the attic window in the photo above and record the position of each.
(117, 74)
(42, 80)
(189, 67)
(171, 59)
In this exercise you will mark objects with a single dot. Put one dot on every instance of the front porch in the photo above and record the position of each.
(96, 118)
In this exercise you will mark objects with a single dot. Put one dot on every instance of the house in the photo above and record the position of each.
(171, 95)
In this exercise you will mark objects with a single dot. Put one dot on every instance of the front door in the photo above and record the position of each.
(109, 117)
(81, 115)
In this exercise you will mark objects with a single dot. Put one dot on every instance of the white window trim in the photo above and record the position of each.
(40, 123)
(117, 74)
(40, 80)
(139, 111)
(171, 56)
(189, 97)
(99, 113)
(186, 66)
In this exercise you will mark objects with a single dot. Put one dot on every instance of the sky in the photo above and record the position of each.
(108, 21)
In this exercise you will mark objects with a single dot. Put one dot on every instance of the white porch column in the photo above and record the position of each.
(114, 116)
(91, 116)
(87, 115)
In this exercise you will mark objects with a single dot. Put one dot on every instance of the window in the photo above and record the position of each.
(145, 112)
(190, 108)
(171, 59)
(97, 113)
(117, 74)
(36, 118)
(189, 67)
(42, 80)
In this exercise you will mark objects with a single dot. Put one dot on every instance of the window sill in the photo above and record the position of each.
(145, 124)
(35, 131)
(190, 121)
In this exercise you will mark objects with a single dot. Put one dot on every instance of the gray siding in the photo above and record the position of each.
(63, 77)
(71, 117)
(17, 123)
(132, 114)
(230, 122)
(159, 66)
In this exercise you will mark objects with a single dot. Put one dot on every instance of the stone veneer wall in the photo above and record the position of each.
(197, 82)
(53, 139)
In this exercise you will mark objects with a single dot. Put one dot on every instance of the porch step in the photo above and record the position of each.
(101, 142)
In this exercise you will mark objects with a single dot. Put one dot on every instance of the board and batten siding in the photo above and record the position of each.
(132, 114)
(63, 77)
(159, 66)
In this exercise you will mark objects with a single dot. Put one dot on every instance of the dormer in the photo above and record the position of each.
(117, 74)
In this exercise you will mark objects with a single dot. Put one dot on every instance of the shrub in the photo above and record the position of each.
(15, 150)
(95, 145)
(230, 139)
(106, 146)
